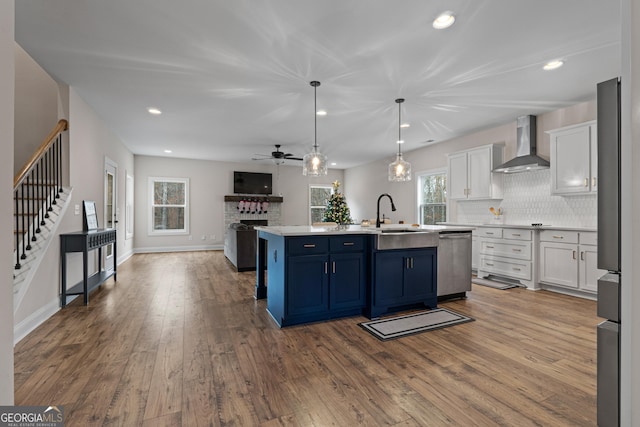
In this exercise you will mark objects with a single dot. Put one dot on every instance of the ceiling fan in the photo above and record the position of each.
(277, 156)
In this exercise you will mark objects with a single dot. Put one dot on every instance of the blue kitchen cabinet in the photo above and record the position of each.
(403, 279)
(324, 278)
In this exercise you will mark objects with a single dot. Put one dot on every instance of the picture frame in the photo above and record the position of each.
(90, 215)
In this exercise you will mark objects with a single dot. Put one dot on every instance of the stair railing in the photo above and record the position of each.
(35, 188)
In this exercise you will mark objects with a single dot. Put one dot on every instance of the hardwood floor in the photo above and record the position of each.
(180, 340)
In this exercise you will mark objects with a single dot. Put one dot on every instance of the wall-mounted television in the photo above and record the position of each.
(252, 183)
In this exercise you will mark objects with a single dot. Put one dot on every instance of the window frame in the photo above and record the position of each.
(324, 186)
(177, 232)
(420, 176)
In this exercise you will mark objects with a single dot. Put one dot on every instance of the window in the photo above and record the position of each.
(318, 198)
(169, 205)
(432, 197)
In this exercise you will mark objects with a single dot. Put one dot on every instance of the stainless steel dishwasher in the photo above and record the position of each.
(454, 264)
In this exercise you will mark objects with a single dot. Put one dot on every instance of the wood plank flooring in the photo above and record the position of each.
(180, 341)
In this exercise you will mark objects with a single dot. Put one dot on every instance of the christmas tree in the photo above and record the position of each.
(337, 210)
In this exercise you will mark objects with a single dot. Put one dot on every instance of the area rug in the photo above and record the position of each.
(493, 284)
(401, 326)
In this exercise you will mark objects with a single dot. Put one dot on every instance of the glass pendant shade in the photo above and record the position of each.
(399, 170)
(314, 163)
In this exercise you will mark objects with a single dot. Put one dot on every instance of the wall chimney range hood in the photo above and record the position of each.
(526, 158)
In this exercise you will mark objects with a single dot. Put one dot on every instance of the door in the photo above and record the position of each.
(307, 285)
(419, 275)
(110, 206)
(479, 175)
(457, 181)
(347, 284)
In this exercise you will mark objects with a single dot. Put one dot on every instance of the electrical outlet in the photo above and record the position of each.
(203, 237)
(190, 237)
(77, 209)
(213, 237)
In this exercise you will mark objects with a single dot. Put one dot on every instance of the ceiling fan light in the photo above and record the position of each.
(445, 20)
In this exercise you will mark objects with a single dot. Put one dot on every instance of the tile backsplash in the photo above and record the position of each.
(527, 199)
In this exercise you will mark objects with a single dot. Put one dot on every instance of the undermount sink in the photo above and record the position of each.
(405, 239)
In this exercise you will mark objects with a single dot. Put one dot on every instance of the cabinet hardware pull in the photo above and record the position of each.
(593, 181)
(516, 268)
(582, 255)
(488, 263)
(411, 262)
(574, 255)
(490, 247)
(488, 232)
(516, 250)
(325, 267)
(558, 237)
(333, 267)
(407, 263)
(308, 245)
(515, 235)
(348, 244)
(586, 182)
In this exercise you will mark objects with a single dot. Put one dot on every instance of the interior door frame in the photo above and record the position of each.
(110, 168)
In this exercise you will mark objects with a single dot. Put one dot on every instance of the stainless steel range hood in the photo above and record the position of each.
(526, 158)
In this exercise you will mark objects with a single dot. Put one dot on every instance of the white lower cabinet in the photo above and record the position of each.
(475, 255)
(569, 259)
(507, 252)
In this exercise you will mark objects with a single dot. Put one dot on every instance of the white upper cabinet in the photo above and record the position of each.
(574, 159)
(470, 175)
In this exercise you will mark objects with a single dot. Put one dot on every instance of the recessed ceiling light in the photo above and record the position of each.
(445, 20)
(168, 151)
(552, 65)
(400, 141)
(405, 125)
(333, 163)
(154, 110)
(321, 113)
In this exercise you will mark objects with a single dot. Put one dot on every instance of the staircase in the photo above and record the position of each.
(40, 201)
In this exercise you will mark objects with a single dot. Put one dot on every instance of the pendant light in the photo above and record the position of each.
(399, 170)
(314, 163)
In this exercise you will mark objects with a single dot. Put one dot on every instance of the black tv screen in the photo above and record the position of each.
(252, 183)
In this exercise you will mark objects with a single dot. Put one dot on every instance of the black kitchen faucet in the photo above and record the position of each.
(393, 208)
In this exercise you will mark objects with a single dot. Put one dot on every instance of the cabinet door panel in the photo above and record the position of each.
(419, 278)
(307, 284)
(479, 173)
(589, 272)
(570, 152)
(457, 180)
(388, 276)
(557, 264)
(347, 284)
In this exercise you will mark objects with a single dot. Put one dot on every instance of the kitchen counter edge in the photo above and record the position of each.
(527, 227)
(308, 230)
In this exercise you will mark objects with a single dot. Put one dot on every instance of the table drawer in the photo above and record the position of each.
(588, 238)
(504, 267)
(510, 249)
(496, 233)
(307, 245)
(559, 236)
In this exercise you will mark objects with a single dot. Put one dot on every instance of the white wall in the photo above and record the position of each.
(365, 183)
(630, 372)
(90, 141)
(209, 182)
(36, 109)
(6, 193)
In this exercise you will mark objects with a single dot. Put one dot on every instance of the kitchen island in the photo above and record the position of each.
(319, 273)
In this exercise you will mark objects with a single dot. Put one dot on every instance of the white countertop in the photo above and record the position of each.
(524, 226)
(306, 230)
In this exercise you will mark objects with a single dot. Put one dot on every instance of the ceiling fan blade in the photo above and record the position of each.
(292, 158)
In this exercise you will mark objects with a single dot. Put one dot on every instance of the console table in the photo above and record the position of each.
(85, 241)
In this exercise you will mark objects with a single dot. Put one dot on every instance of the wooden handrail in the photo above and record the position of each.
(20, 176)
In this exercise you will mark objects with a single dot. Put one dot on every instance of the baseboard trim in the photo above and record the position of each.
(35, 319)
(178, 249)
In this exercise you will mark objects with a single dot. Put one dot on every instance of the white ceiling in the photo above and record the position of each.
(232, 77)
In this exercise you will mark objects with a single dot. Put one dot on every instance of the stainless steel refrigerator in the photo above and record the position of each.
(608, 336)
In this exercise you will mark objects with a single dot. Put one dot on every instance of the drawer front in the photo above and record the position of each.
(496, 233)
(559, 236)
(588, 238)
(347, 243)
(508, 268)
(506, 248)
(307, 245)
(516, 234)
